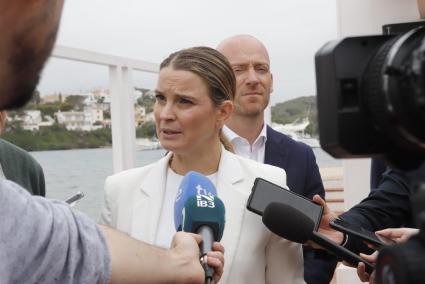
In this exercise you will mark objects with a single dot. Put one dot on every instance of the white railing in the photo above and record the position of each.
(122, 101)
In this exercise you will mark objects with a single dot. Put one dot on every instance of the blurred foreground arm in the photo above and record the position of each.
(136, 262)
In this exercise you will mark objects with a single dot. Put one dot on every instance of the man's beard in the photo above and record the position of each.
(24, 64)
(239, 109)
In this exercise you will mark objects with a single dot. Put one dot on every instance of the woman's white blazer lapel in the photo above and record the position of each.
(233, 191)
(148, 204)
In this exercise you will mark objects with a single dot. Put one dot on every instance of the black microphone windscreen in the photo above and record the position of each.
(288, 222)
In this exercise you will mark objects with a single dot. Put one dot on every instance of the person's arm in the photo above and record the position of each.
(45, 241)
(136, 262)
(387, 206)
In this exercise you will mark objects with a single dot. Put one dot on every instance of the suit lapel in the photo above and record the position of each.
(147, 208)
(233, 193)
(276, 151)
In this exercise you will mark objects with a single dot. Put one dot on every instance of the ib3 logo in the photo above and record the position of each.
(205, 201)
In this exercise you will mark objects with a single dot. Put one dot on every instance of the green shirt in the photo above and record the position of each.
(20, 167)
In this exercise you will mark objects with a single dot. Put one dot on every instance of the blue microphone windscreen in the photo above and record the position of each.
(193, 183)
(204, 211)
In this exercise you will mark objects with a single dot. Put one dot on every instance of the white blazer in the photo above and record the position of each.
(252, 253)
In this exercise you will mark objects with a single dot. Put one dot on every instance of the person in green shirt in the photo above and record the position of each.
(19, 166)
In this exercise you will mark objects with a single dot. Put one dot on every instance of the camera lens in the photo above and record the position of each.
(394, 95)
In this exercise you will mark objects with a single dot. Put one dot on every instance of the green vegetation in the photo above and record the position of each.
(147, 130)
(298, 108)
(58, 138)
(147, 100)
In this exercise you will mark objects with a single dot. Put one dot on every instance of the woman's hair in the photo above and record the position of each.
(215, 71)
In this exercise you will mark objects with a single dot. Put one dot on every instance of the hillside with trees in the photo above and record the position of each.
(289, 111)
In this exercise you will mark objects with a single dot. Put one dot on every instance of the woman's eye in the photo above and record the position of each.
(159, 98)
(185, 101)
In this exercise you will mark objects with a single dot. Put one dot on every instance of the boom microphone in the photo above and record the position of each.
(205, 215)
(299, 228)
(193, 183)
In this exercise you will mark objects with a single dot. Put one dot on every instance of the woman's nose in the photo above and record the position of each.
(167, 112)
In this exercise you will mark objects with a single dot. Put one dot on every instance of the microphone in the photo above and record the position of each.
(299, 228)
(193, 183)
(204, 215)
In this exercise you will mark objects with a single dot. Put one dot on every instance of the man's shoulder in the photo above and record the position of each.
(258, 167)
(286, 141)
(9, 149)
(14, 158)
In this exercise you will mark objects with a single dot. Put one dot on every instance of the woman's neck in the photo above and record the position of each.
(205, 163)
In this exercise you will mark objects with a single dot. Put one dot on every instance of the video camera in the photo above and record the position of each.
(371, 102)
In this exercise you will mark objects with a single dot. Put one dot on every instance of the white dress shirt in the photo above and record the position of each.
(166, 228)
(256, 151)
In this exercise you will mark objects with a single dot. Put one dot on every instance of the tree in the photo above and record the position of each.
(147, 100)
(76, 101)
(147, 130)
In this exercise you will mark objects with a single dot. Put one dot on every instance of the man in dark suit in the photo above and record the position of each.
(252, 138)
(387, 206)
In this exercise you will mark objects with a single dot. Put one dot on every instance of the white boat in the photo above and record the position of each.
(296, 130)
(147, 144)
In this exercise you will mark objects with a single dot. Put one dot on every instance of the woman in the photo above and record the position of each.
(194, 96)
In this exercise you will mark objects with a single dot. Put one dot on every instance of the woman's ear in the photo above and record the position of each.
(224, 112)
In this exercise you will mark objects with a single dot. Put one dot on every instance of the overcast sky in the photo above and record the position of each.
(292, 30)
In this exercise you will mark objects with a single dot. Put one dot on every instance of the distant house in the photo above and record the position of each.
(140, 114)
(72, 120)
(93, 114)
(31, 120)
(89, 119)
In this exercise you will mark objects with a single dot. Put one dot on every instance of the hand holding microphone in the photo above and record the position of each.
(192, 184)
(204, 215)
(198, 210)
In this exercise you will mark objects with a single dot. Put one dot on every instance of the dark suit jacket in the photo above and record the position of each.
(303, 177)
(387, 206)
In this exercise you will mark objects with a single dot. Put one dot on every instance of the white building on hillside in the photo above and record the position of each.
(31, 120)
(93, 114)
(81, 120)
(72, 120)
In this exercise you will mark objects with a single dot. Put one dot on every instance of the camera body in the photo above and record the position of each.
(345, 128)
(371, 102)
(371, 97)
